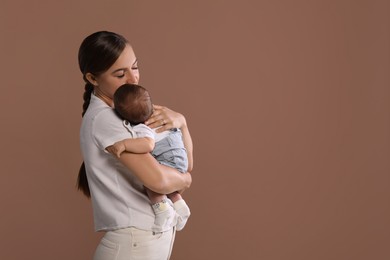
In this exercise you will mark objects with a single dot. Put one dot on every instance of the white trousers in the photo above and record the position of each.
(135, 244)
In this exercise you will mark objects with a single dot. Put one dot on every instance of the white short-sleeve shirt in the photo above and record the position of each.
(118, 197)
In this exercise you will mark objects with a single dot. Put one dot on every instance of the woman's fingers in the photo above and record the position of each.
(165, 118)
(158, 107)
(164, 128)
(158, 118)
(155, 121)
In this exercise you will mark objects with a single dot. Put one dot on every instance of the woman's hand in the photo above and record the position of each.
(166, 119)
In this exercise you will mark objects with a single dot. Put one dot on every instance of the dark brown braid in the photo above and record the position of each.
(87, 96)
(82, 181)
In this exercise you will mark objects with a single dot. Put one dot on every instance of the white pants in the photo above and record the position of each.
(135, 244)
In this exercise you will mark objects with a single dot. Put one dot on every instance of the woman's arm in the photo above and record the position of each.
(159, 178)
(166, 119)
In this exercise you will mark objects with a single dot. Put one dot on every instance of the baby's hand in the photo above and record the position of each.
(117, 148)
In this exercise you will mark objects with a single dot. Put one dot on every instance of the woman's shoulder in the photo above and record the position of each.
(99, 114)
(107, 128)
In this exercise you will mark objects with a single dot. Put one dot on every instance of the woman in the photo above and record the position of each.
(116, 185)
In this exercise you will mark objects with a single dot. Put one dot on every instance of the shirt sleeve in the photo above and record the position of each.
(142, 130)
(108, 128)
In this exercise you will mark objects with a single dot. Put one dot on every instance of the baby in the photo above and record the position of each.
(133, 104)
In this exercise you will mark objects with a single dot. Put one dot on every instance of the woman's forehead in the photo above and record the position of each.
(126, 59)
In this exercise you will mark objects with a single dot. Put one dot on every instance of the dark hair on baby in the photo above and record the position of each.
(133, 103)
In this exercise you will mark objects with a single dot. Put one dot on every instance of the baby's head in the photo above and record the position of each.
(132, 102)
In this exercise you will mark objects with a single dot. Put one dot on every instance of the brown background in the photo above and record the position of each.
(288, 105)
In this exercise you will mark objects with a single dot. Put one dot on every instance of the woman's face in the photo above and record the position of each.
(124, 70)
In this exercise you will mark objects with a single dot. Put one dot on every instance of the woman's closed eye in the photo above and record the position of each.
(135, 66)
(120, 74)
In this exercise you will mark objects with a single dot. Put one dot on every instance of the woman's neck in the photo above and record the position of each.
(104, 98)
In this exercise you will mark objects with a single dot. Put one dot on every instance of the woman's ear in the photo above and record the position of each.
(91, 79)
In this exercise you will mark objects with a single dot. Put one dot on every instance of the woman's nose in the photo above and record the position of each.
(132, 78)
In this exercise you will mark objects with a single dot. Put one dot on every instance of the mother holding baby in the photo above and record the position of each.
(115, 185)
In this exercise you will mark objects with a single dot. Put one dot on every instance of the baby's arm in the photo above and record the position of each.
(132, 145)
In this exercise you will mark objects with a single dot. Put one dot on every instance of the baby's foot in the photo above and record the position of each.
(165, 216)
(183, 213)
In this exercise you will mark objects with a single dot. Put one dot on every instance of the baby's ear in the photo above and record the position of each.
(91, 79)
